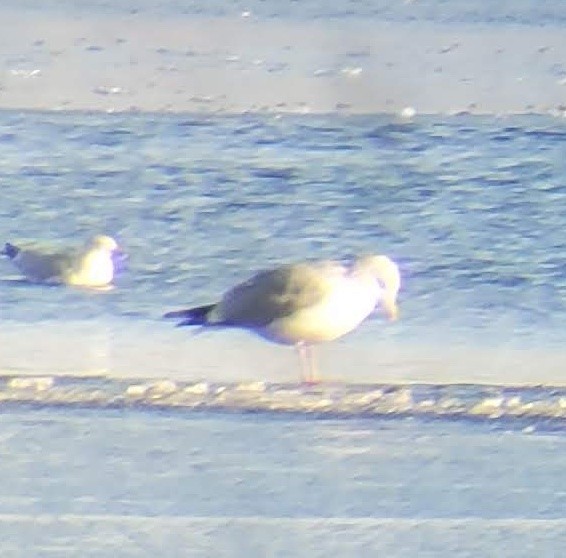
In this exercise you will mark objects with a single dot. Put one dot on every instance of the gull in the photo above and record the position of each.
(92, 265)
(304, 304)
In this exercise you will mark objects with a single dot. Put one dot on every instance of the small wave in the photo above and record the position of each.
(285, 173)
(331, 400)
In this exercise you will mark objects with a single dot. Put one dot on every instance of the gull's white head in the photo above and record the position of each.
(97, 263)
(103, 242)
(385, 270)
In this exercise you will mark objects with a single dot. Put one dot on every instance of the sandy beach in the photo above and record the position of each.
(139, 62)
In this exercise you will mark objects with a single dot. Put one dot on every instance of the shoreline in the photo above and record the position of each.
(87, 348)
(236, 65)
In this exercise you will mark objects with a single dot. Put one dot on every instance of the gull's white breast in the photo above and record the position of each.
(349, 302)
(96, 269)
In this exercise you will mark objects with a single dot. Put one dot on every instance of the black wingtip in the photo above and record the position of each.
(190, 316)
(10, 250)
(176, 314)
(187, 322)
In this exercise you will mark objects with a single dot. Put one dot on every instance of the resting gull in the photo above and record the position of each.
(91, 265)
(304, 304)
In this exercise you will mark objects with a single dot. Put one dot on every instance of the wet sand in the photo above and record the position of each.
(370, 356)
(230, 65)
(82, 483)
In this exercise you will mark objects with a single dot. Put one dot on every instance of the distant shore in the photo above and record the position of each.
(233, 65)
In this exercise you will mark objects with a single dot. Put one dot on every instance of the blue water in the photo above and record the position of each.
(128, 437)
(472, 208)
(527, 12)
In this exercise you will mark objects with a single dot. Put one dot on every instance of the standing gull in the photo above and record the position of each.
(303, 304)
(91, 265)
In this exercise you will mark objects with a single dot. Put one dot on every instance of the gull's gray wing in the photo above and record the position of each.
(44, 266)
(275, 294)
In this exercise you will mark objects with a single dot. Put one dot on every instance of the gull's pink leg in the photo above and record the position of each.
(312, 365)
(307, 360)
(303, 361)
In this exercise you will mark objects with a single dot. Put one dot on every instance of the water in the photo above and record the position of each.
(524, 12)
(470, 207)
(440, 435)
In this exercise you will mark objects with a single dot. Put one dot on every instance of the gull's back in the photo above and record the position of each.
(306, 302)
(43, 267)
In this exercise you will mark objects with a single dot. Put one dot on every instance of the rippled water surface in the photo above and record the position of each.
(443, 11)
(439, 435)
(472, 208)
